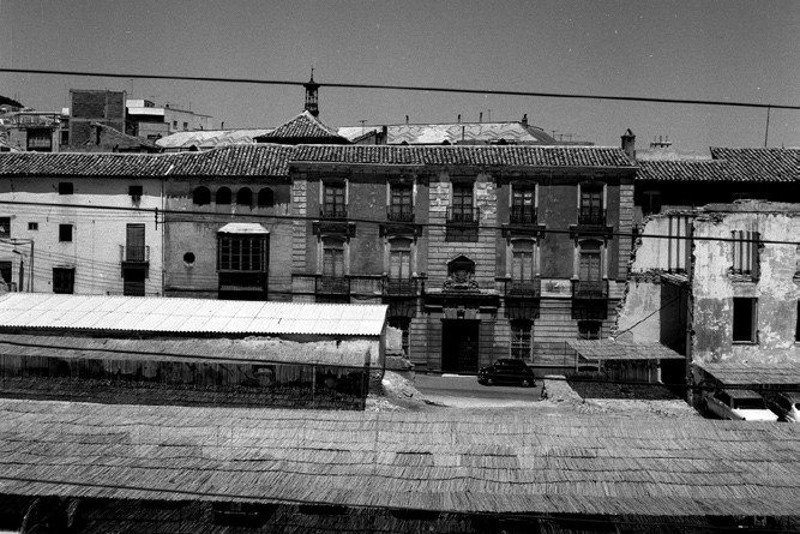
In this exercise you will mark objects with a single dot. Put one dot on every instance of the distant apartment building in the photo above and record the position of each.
(151, 122)
(31, 130)
(89, 107)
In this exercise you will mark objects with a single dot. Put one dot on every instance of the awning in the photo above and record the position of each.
(614, 350)
(243, 228)
(744, 373)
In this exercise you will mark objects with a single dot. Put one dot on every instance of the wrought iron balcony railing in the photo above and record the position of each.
(524, 214)
(399, 286)
(134, 254)
(400, 213)
(333, 211)
(332, 285)
(463, 215)
(524, 289)
(592, 217)
(586, 289)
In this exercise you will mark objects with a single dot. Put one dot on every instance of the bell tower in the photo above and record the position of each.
(312, 95)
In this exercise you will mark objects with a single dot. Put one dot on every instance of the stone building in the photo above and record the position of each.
(482, 252)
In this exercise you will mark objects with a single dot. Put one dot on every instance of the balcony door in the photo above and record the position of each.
(590, 269)
(134, 243)
(591, 203)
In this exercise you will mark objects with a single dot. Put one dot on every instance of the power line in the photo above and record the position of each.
(155, 212)
(386, 87)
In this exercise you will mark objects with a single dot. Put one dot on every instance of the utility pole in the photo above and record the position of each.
(766, 130)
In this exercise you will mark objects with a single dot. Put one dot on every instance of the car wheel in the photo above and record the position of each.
(489, 381)
(527, 382)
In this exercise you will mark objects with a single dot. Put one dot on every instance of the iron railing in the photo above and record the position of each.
(400, 213)
(332, 285)
(463, 215)
(134, 253)
(590, 289)
(333, 211)
(592, 217)
(399, 286)
(524, 214)
(524, 289)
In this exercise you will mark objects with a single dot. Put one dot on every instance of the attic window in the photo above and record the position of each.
(65, 188)
(135, 191)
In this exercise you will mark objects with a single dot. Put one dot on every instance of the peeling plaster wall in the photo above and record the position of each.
(777, 293)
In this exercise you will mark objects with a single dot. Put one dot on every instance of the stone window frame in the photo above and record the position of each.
(584, 183)
(412, 252)
(536, 267)
(603, 246)
(321, 246)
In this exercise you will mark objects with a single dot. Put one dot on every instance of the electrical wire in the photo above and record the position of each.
(387, 87)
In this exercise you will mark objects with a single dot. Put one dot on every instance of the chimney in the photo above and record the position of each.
(312, 95)
(629, 144)
(525, 119)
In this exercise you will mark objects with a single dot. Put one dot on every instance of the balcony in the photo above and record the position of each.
(333, 211)
(399, 287)
(523, 289)
(131, 254)
(332, 285)
(463, 215)
(589, 290)
(592, 218)
(524, 215)
(402, 213)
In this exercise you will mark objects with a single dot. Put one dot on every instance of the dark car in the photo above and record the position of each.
(507, 371)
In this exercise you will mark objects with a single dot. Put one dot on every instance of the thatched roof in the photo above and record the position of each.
(458, 461)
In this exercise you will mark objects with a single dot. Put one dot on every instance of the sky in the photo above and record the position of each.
(699, 49)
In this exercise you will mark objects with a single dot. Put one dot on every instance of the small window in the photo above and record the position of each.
(589, 329)
(521, 340)
(266, 198)
(175, 124)
(33, 226)
(65, 188)
(745, 253)
(185, 125)
(5, 226)
(63, 280)
(201, 196)
(244, 197)
(135, 191)
(744, 320)
(65, 232)
(651, 202)
(223, 196)
(189, 258)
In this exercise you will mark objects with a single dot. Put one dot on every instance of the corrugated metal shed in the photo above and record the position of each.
(450, 460)
(608, 349)
(253, 350)
(742, 373)
(149, 314)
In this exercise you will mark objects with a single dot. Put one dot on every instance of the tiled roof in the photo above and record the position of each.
(466, 155)
(762, 164)
(449, 461)
(207, 139)
(244, 160)
(607, 349)
(174, 315)
(686, 171)
(733, 373)
(303, 126)
(468, 132)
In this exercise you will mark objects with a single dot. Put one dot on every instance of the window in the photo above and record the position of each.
(400, 259)
(175, 124)
(65, 188)
(462, 208)
(522, 266)
(400, 203)
(745, 253)
(135, 191)
(241, 252)
(5, 227)
(266, 198)
(5, 273)
(135, 250)
(33, 226)
(65, 232)
(201, 196)
(523, 205)
(744, 320)
(223, 196)
(589, 266)
(185, 125)
(333, 200)
(589, 329)
(64, 280)
(189, 258)
(591, 207)
(244, 197)
(651, 202)
(521, 339)
(333, 258)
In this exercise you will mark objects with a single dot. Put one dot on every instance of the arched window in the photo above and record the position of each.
(266, 198)
(244, 197)
(201, 196)
(223, 195)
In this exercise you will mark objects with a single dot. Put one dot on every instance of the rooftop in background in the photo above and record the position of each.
(452, 460)
(35, 311)
(511, 132)
(615, 350)
(207, 139)
(726, 165)
(743, 374)
(304, 128)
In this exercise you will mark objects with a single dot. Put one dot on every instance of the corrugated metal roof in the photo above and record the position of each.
(491, 461)
(206, 139)
(612, 349)
(733, 373)
(461, 132)
(150, 314)
(354, 353)
(242, 228)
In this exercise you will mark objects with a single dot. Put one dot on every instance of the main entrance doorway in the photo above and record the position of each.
(460, 346)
